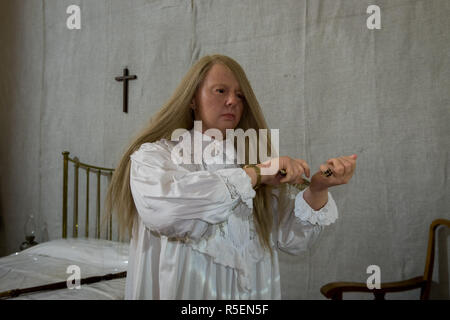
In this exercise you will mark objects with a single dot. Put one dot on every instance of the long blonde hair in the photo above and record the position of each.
(176, 113)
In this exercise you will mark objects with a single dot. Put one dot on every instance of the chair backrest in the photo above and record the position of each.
(89, 170)
(428, 274)
(335, 290)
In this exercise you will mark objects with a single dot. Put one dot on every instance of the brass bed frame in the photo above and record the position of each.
(89, 169)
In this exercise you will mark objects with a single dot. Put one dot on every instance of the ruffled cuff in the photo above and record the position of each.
(239, 184)
(324, 217)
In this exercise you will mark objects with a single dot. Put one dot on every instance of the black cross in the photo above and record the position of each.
(125, 78)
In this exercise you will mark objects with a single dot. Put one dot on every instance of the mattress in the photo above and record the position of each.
(62, 260)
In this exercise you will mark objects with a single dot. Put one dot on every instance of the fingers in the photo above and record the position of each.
(349, 163)
(304, 166)
(294, 168)
(323, 168)
(336, 166)
(288, 168)
(299, 171)
(342, 167)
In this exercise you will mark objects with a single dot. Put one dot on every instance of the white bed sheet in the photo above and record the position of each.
(48, 262)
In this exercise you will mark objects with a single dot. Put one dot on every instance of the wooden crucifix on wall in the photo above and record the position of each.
(125, 78)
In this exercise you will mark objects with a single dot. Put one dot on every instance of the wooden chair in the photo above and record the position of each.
(334, 290)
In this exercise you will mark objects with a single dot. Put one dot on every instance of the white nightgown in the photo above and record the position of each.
(194, 235)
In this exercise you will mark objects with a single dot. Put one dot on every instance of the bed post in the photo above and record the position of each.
(75, 199)
(65, 179)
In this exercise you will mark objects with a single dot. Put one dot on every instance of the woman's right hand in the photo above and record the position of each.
(295, 168)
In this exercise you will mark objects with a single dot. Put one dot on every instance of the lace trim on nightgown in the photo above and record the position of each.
(233, 244)
(239, 185)
(324, 217)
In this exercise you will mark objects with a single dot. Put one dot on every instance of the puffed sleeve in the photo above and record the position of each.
(176, 202)
(300, 226)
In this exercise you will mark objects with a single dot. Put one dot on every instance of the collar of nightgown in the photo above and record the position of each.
(223, 152)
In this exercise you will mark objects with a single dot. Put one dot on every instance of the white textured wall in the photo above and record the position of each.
(21, 104)
(332, 86)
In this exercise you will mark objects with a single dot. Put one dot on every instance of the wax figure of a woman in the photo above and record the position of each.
(211, 229)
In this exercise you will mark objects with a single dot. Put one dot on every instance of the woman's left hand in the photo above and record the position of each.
(342, 169)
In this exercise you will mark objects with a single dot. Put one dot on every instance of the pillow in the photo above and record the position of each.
(96, 252)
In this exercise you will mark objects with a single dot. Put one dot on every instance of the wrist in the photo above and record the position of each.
(255, 174)
(263, 178)
(316, 188)
(317, 191)
(316, 199)
(252, 175)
